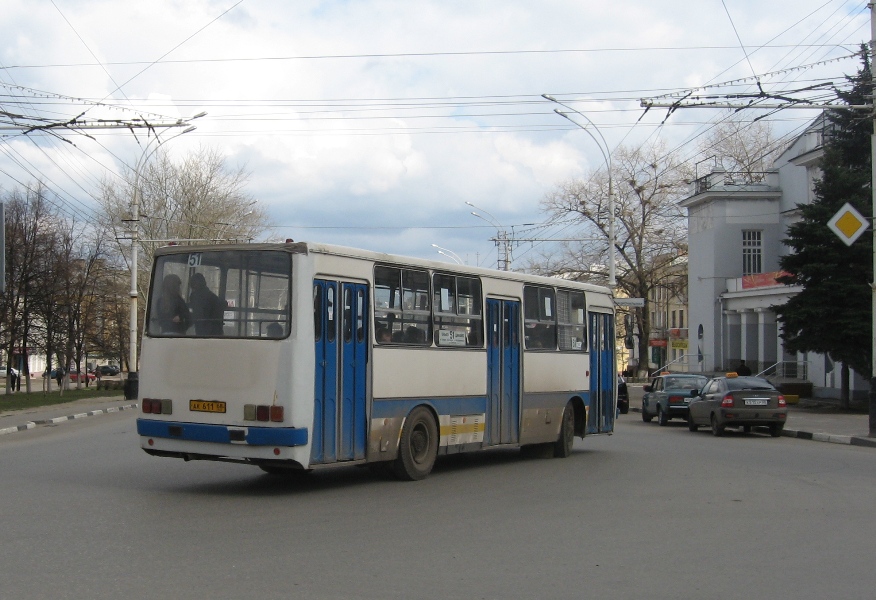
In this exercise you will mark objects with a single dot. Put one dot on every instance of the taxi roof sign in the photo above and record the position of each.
(848, 224)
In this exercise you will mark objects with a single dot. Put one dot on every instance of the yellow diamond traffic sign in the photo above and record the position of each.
(848, 224)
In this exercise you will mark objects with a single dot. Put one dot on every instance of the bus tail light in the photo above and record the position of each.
(157, 407)
(727, 402)
(263, 412)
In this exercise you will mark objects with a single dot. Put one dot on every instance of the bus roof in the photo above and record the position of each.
(383, 257)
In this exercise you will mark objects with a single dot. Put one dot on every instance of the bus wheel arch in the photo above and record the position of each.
(418, 444)
(580, 416)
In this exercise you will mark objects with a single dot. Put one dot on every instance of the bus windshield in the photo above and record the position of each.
(235, 294)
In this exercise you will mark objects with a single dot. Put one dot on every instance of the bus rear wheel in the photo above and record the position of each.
(563, 445)
(418, 446)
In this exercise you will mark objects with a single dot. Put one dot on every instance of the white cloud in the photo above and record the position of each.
(285, 84)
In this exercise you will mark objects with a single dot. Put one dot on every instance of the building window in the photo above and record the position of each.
(681, 319)
(751, 252)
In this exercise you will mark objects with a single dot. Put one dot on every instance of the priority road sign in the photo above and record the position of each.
(848, 224)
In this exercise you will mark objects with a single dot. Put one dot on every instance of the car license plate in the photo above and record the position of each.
(756, 402)
(206, 406)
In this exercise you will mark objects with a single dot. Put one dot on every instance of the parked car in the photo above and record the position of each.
(734, 401)
(623, 396)
(668, 396)
(109, 370)
(74, 376)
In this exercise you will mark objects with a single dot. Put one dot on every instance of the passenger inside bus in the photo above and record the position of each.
(173, 314)
(274, 330)
(414, 335)
(207, 308)
(383, 335)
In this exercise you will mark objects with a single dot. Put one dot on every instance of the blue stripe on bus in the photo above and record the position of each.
(199, 432)
(384, 408)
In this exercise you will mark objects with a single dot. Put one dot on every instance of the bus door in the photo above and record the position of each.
(503, 371)
(602, 373)
(339, 418)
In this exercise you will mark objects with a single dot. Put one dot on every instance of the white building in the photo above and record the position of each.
(736, 224)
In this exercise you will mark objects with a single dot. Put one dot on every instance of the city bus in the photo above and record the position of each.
(318, 356)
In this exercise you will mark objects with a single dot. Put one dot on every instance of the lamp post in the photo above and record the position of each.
(448, 253)
(606, 155)
(132, 385)
(502, 241)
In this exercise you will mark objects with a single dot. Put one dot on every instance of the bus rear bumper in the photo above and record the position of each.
(223, 434)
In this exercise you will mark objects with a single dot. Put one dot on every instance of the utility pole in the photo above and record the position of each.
(872, 394)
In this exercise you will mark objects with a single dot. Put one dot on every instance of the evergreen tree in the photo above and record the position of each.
(832, 314)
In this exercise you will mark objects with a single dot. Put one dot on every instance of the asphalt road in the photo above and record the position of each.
(650, 512)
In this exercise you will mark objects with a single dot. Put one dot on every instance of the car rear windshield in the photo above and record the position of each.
(749, 383)
(685, 383)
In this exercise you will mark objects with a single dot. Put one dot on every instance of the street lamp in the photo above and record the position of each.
(132, 386)
(504, 260)
(606, 155)
(449, 254)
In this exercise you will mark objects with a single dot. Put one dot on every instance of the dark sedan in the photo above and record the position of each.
(668, 395)
(735, 401)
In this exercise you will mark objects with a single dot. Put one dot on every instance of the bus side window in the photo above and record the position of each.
(539, 316)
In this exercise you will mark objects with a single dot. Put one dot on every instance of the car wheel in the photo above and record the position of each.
(563, 446)
(717, 430)
(662, 419)
(418, 446)
(691, 426)
(776, 429)
(645, 416)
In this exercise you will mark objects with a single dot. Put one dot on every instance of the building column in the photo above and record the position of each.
(733, 339)
(767, 350)
(749, 341)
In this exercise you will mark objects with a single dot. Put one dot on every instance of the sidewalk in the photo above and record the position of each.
(823, 421)
(30, 418)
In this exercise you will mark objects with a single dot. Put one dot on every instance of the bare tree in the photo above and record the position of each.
(30, 226)
(739, 145)
(651, 234)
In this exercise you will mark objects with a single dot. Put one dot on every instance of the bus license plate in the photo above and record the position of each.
(206, 406)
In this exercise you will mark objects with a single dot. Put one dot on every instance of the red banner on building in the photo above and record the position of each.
(762, 279)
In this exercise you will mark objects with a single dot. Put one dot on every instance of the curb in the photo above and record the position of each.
(848, 440)
(59, 420)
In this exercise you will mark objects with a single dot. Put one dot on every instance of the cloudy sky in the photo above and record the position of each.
(372, 123)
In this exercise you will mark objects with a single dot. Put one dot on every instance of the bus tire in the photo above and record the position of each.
(418, 446)
(563, 445)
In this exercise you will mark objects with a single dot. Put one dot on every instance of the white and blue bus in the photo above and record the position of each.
(300, 356)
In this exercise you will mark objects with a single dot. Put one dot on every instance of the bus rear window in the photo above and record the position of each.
(236, 294)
